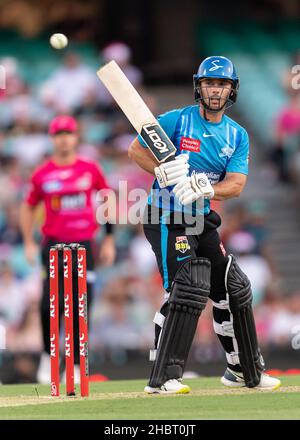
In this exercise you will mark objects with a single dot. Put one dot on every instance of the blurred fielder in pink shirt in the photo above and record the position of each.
(66, 184)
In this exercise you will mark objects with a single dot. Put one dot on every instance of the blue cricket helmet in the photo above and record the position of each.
(217, 67)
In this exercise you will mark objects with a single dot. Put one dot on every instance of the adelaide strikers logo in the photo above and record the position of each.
(215, 66)
(182, 244)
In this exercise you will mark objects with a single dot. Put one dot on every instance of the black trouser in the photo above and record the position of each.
(172, 247)
(45, 304)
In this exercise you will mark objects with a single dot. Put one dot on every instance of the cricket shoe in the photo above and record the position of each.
(236, 380)
(172, 386)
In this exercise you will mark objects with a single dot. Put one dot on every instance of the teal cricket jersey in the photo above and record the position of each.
(213, 148)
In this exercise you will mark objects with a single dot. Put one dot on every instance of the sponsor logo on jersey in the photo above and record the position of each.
(68, 202)
(226, 152)
(182, 244)
(52, 186)
(65, 174)
(206, 135)
(84, 182)
(190, 144)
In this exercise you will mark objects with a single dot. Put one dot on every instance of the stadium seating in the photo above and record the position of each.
(262, 54)
(29, 54)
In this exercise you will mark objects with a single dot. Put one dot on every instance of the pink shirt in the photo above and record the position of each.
(289, 121)
(68, 193)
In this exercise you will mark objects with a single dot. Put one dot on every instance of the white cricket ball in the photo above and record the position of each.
(58, 41)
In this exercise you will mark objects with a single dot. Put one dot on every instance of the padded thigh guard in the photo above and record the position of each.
(188, 297)
(240, 304)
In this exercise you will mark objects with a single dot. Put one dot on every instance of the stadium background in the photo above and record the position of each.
(167, 40)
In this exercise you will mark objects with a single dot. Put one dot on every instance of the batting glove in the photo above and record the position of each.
(172, 172)
(191, 188)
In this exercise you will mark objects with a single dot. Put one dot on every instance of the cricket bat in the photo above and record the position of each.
(137, 111)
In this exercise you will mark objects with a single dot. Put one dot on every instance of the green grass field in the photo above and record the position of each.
(121, 400)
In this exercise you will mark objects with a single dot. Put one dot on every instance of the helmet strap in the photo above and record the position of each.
(205, 113)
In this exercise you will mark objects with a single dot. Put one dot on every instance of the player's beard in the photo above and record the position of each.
(215, 103)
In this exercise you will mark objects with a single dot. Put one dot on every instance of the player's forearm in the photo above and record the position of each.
(227, 190)
(27, 222)
(142, 157)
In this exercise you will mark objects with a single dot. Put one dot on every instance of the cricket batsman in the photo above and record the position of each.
(211, 163)
(66, 185)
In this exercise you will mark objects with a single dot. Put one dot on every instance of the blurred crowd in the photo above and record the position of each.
(129, 293)
(123, 292)
(285, 153)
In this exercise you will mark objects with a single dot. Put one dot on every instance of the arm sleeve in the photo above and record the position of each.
(168, 122)
(34, 193)
(238, 162)
(100, 181)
